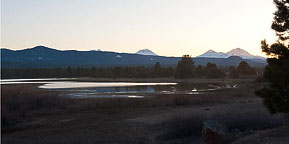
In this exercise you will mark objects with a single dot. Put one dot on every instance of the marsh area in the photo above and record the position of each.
(130, 110)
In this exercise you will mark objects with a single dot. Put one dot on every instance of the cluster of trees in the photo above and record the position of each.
(185, 69)
(276, 96)
(243, 69)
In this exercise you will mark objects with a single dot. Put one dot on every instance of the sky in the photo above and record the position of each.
(167, 27)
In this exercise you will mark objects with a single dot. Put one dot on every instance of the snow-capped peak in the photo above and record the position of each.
(213, 54)
(234, 52)
(146, 52)
(211, 51)
(239, 52)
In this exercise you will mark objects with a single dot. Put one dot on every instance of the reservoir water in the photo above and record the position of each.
(77, 89)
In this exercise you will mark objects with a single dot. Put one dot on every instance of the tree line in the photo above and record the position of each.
(184, 69)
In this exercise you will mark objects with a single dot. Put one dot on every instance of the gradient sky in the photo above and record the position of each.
(167, 27)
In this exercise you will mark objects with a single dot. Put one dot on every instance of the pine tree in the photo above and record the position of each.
(245, 69)
(234, 74)
(185, 67)
(212, 71)
(157, 70)
(276, 96)
(199, 72)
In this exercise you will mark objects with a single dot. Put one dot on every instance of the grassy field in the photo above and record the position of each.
(33, 116)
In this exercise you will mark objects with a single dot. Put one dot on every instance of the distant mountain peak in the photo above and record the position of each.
(213, 54)
(40, 47)
(239, 52)
(234, 52)
(146, 52)
(211, 51)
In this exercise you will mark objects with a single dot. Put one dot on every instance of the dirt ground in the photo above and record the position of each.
(132, 122)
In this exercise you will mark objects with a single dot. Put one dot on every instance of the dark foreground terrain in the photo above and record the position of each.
(40, 117)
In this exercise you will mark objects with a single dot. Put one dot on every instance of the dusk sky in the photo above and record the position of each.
(167, 27)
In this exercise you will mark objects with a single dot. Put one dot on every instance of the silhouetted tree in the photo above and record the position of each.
(231, 68)
(212, 71)
(185, 67)
(234, 74)
(68, 71)
(168, 72)
(245, 69)
(117, 71)
(93, 72)
(157, 70)
(199, 71)
(276, 97)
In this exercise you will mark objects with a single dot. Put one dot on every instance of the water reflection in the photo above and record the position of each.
(119, 89)
(80, 95)
(73, 84)
(31, 80)
(140, 91)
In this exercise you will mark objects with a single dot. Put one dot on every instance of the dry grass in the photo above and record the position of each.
(153, 101)
(182, 100)
(213, 97)
(186, 126)
(18, 101)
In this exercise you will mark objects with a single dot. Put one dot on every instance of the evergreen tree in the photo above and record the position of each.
(68, 71)
(117, 71)
(185, 67)
(245, 69)
(93, 71)
(231, 68)
(168, 72)
(199, 72)
(212, 71)
(157, 69)
(234, 74)
(276, 96)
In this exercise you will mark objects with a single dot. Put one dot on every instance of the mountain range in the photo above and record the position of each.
(234, 52)
(44, 57)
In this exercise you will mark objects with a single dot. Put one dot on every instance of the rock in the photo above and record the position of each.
(214, 132)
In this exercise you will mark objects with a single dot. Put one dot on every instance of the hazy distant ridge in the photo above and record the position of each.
(41, 56)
